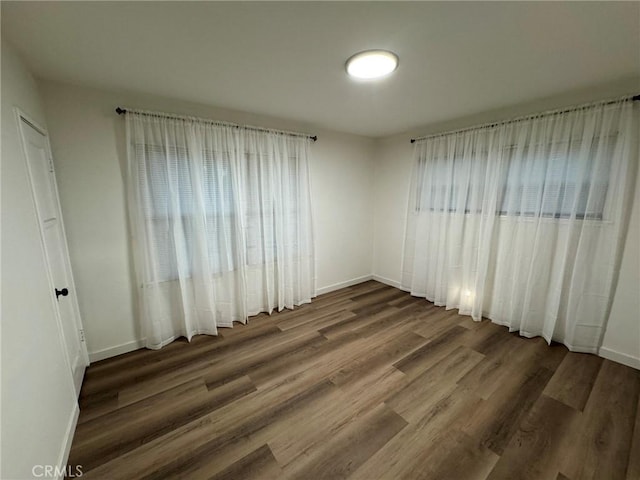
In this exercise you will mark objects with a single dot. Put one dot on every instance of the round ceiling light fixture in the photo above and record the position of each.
(372, 64)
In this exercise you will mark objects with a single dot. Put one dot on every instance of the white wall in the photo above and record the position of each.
(39, 408)
(392, 174)
(622, 337)
(393, 163)
(88, 146)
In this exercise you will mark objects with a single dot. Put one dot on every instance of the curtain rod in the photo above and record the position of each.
(122, 111)
(634, 98)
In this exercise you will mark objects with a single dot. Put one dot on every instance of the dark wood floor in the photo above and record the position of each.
(366, 382)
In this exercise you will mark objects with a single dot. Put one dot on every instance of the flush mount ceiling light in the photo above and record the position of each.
(372, 64)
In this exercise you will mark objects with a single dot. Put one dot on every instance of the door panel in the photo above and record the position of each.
(45, 194)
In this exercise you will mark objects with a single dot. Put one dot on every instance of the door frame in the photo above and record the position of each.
(20, 117)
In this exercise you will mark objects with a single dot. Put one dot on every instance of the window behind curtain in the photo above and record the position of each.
(572, 172)
(262, 208)
(220, 200)
(547, 186)
(162, 163)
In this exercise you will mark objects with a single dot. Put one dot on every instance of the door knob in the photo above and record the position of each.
(64, 292)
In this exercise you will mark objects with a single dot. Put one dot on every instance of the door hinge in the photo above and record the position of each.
(81, 335)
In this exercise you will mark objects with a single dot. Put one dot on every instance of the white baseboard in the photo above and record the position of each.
(117, 350)
(388, 281)
(613, 355)
(339, 285)
(137, 344)
(625, 359)
(68, 440)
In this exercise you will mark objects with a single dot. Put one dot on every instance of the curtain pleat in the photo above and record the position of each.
(221, 224)
(523, 222)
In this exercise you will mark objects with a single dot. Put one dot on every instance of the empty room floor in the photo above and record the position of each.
(365, 382)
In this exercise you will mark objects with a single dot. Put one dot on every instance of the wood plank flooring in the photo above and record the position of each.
(366, 383)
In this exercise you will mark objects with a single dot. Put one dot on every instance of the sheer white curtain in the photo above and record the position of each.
(522, 222)
(221, 223)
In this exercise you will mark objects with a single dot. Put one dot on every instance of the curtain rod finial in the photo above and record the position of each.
(413, 140)
(314, 138)
(120, 111)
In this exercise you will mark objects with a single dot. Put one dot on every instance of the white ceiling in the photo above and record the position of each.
(287, 59)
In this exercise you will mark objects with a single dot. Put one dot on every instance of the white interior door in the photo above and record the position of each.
(45, 194)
